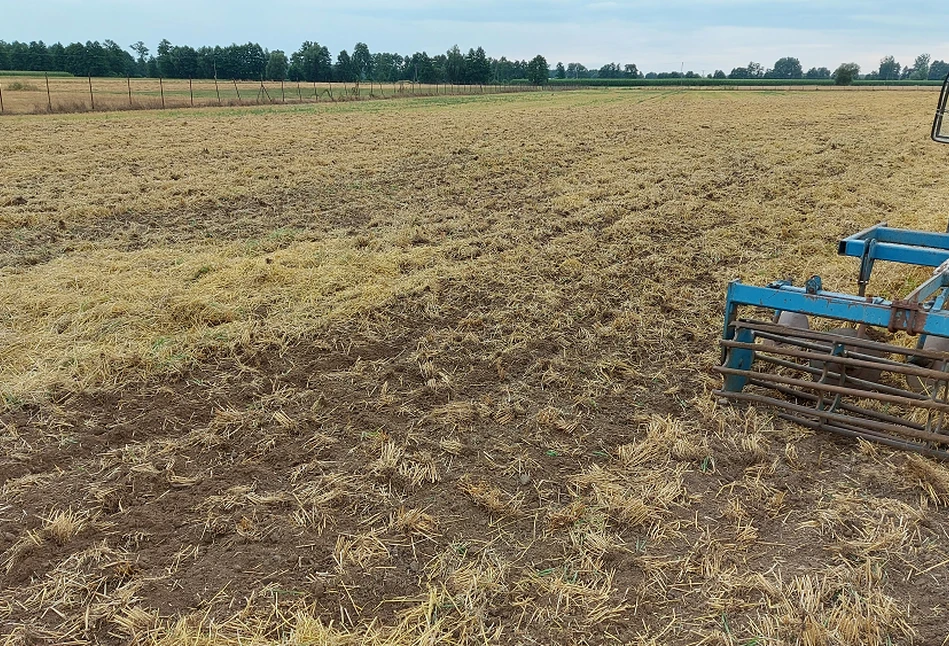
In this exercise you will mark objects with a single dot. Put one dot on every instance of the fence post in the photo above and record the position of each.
(237, 89)
(49, 97)
(191, 90)
(128, 82)
(283, 95)
(92, 98)
(299, 92)
(1, 100)
(161, 90)
(216, 89)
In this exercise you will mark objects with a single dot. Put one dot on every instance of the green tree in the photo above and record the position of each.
(119, 61)
(537, 71)
(719, 74)
(609, 71)
(311, 63)
(97, 63)
(362, 61)
(344, 70)
(141, 62)
(504, 70)
(39, 56)
(577, 71)
(185, 61)
(455, 65)
(56, 56)
(818, 73)
(421, 69)
(166, 64)
(739, 73)
(938, 70)
(889, 69)
(386, 67)
(277, 66)
(630, 71)
(477, 67)
(921, 68)
(561, 71)
(787, 68)
(846, 73)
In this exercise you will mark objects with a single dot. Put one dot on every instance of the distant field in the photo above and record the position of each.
(34, 74)
(28, 93)
(438, 371)
(798, 84)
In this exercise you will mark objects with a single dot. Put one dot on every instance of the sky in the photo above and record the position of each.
(656, 35)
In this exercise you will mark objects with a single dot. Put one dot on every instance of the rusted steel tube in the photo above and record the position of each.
(840, 390)
(783, 331)
(852, 408)
(892, 366)
(898, 429)
(868, 435)
(862, 383)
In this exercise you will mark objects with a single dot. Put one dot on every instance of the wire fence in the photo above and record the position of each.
(54, 94)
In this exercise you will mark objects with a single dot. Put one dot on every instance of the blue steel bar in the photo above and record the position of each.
(907, 246)
(923, 293)
(842, 307)
(892, 252)
(913, 237)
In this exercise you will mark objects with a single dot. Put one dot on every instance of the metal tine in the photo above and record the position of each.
(816, 347)
(929, 415)
(853, 408)
(854, 392)
(898, 429)
(866, 385)
(784, 331)
(829, 347)
(851, 359)
(869, 435)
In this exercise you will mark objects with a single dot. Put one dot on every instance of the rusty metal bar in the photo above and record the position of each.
(853, 408)
(924, 402)
(862, 383)
(844, 360)
(868, 435)
(783, 332)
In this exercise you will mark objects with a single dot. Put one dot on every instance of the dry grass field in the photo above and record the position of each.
(439, 370)
(23, 94)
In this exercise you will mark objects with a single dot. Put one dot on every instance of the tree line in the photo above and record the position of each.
(923, 69)
(311, 62)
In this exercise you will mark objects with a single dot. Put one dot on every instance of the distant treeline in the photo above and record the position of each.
(312, 62)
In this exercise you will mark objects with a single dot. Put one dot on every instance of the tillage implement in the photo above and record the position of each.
(882, 374)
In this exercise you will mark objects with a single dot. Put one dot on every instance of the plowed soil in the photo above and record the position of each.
(439, 371)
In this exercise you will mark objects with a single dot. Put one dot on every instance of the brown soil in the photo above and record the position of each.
(516, 444)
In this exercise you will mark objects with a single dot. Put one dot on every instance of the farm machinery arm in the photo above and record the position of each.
(847, 380)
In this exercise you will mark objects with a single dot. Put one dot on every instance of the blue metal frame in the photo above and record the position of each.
(907, 246)
(784, 297)
(920, 312)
